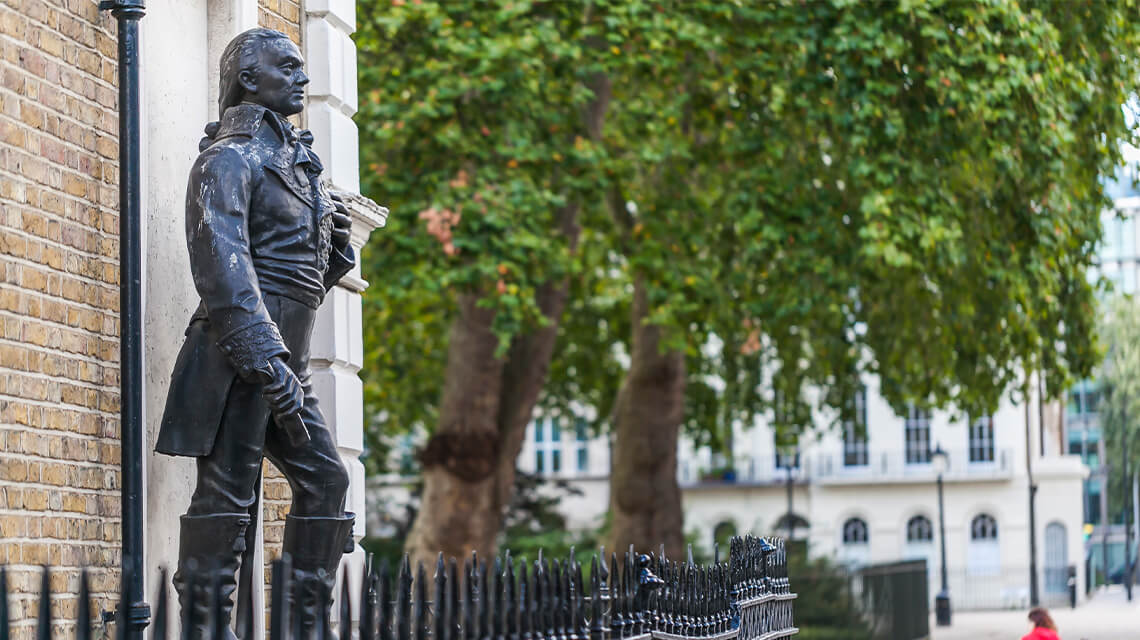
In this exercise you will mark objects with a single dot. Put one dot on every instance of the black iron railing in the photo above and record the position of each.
(634, 596)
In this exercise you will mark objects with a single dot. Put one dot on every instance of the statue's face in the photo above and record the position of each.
(279, 82)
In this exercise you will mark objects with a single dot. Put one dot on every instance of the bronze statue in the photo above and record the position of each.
(266, 242)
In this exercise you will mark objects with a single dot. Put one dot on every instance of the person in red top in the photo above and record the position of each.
(1043, 627)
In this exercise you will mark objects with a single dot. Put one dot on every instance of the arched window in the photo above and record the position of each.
(723, 533)
(855, 531)
(919, 529)
(983, 527)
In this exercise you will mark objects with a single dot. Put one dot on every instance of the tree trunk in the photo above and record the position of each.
(645, 500)
(469, 464)
(457, 513)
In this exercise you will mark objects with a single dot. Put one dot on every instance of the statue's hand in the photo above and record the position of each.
(283, 392)
(342, 222)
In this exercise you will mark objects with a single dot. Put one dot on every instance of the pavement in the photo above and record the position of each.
(1107, 615)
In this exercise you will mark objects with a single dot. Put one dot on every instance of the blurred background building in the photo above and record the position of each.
(1119, 264)
(871, 498)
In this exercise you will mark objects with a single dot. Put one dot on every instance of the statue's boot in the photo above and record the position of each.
(210, 548)
(315, 545)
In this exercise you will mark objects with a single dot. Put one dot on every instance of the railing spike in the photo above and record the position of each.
(4, 615)
(82, 615)
(597, 631)
(419, 611)
(471, 599)
(43, 624)
(486, 602)
(345, 627)
(557, 617)
(526, 603)
(279, 597)
(453, 597)
(403, 604)
(512, 601)
(384, 621)
(82, 618)
(440, 600)
(368, 602)
(501, 598)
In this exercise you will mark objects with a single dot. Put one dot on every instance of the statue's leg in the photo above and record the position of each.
(317, 530)
(212, 536)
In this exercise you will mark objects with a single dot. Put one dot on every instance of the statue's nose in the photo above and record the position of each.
(302, 78)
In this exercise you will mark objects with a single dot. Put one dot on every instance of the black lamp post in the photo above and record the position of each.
(940, 460)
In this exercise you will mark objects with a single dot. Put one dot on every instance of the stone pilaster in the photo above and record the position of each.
(337, 348)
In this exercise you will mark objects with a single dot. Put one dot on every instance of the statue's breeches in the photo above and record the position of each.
(227, 476)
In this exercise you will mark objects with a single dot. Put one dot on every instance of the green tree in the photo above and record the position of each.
(775, 197)
(477, 125)
(835, 189)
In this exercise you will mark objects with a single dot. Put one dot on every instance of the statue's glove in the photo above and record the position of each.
(282, 389)
(342, 223)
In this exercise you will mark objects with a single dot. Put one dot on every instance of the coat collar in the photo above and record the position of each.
(244, 119)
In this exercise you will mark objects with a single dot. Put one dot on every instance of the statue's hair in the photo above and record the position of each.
(240, 55)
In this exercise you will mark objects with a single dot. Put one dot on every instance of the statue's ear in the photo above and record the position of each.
(247, 78)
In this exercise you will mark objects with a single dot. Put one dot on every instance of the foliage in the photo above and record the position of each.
(535, 523)
(824, 604)
(472, 133)
(807, 193)
(836, 187)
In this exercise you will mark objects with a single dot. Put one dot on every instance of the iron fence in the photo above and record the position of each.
(894, 599)
(634, 596)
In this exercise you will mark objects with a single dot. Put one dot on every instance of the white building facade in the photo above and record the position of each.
(873, 499)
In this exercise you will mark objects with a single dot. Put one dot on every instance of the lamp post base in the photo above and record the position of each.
(942, 609)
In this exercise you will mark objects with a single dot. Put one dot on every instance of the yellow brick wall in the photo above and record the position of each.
(59, 376)
(282, 15)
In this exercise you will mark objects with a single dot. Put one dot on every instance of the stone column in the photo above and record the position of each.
(337, 347)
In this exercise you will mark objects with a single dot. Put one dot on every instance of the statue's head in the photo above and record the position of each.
(263, 66)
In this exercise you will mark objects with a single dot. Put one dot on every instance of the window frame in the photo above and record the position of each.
(855, 445)
(853, 529)
(980, 440)
(916, 522)
(984, 528)
(916, 434)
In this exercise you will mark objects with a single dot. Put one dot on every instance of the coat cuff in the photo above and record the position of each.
(250, 348)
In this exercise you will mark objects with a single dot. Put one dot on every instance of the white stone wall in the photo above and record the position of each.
(181, 44)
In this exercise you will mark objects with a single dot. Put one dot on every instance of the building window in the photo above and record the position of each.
(581, 444)
(547, 446)
(983, 527)
(787, 453)
(723, 533)
(917, 436)
(855, 433)
(855, 531)
(1084, 399)
(919, 529)
(982, 439)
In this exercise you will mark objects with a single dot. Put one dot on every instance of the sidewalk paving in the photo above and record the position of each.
(1107, 615)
